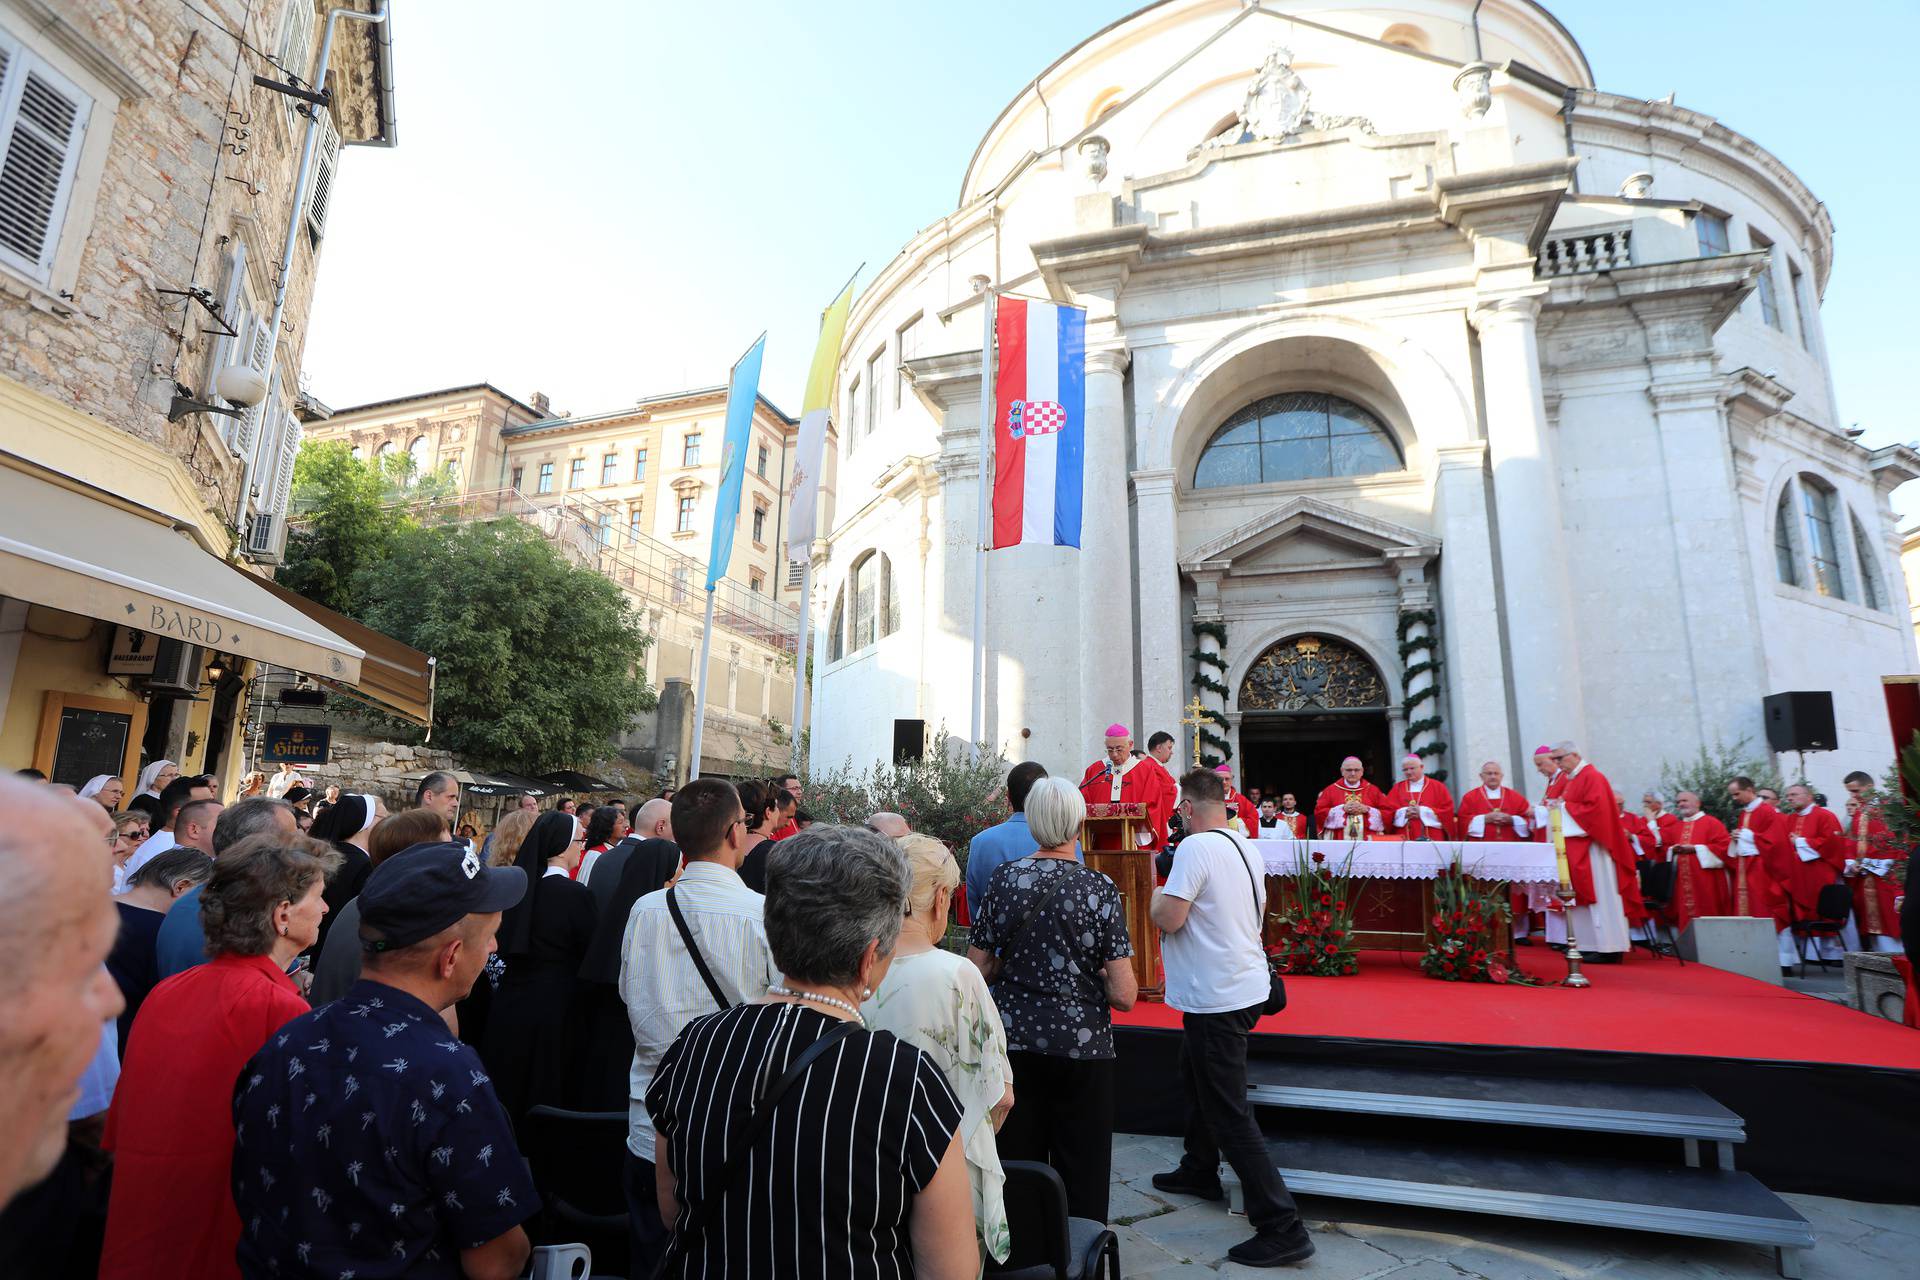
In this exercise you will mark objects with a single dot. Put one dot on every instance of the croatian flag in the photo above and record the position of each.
(1039, 423)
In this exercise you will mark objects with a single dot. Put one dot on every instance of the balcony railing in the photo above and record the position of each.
(1577, 253)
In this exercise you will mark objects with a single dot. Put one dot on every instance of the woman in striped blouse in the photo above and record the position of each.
(859, 1168)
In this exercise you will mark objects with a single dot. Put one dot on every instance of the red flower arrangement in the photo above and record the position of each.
(1460, 939)
(1316, 922)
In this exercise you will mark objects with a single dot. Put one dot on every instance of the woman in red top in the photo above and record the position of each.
(170, 1130)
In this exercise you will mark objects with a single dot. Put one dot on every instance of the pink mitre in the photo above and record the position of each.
(1543, 751)
(1118, 731)
(1225, 771)
(1409, 758)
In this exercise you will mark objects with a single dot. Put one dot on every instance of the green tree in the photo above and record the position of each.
(1707, 774)
(951, 793)
(344, 523)
(539, 658)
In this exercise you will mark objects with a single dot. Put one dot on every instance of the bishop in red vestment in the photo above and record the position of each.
(1419, 806)
(1120, 777)
(1698, 850)
(1330, 811)
(1493, 811)
(1869, 870)
(1606, 883)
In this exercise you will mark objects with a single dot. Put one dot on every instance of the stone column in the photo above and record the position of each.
(1163, 639)
(1535, 588)
(1479, 726)
(1416, 595)
(1107, 658)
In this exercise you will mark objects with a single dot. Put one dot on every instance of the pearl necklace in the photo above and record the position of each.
(835, 1001)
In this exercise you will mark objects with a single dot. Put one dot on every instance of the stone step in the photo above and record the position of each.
(1595, 1106)
(1706, 1204)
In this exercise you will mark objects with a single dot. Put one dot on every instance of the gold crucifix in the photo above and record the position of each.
(1193, 721)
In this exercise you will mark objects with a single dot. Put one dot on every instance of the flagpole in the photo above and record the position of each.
(800, 658)
(700, 697)
(978, 706)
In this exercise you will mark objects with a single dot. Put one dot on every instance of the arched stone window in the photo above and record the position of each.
(418, 452)
(1819, 504)
(386, 447)
(1786, 561)
(1873, 588)
(1299, 435)
(867, 609)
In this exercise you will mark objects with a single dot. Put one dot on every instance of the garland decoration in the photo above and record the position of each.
(1220, 750)
(1427, 661)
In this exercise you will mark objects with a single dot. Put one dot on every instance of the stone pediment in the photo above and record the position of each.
(1305, 532)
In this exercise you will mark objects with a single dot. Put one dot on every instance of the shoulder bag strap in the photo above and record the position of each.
(700, 1212)
(1020, 927)
(699, 961)
(1248, 867)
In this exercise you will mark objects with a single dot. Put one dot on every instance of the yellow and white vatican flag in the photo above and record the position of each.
(803, 489)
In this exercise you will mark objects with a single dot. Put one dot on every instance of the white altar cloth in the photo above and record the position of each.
(1520, 861)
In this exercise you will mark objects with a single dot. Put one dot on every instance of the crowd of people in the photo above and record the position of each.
(300, 1036)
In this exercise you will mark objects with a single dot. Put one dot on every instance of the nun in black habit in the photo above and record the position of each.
(606, 1048)
(346, 826)
(528, 1042)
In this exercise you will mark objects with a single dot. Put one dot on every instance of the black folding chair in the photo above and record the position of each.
(578, 1159)
(1047, 1244)
(1656, 893)
(1832, 909)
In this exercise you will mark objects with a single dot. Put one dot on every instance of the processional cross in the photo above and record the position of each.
(1193, 721)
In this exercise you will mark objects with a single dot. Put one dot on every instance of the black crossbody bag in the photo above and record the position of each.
(698, 1214)
(1276, 985)
(699, 961)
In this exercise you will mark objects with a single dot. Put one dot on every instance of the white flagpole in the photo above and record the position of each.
(979, 730)
(700, 696)
(800, 658)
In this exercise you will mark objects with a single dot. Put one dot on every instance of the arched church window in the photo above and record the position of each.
(1786, 564)
(1873, 588)
(1407, 36)
(418, 452)
(867, 604)
(1312, 673)
(1823, 542)
(837, 628)
(1300, 435)
(386, 447)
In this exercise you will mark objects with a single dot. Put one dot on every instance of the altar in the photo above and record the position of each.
(1394, 879)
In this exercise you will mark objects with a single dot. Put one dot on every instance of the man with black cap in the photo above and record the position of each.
(368, 1140)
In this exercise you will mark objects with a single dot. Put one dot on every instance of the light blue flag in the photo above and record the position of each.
(743, 388)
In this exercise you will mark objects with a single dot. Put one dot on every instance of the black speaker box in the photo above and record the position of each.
(909, 740)
(1800, 721)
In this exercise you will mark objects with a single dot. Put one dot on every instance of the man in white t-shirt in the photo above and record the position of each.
(1209, 913)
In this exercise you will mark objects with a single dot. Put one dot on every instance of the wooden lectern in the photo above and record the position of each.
(1110, 838)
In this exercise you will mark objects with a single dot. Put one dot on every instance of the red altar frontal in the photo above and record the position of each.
(1394, 881)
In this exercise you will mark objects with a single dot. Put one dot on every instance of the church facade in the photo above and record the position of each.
(1435, 399)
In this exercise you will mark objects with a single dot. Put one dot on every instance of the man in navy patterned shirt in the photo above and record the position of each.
(369, 1142)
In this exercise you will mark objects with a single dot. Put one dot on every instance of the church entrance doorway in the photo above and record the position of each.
(1280, 752)
(1305, 705)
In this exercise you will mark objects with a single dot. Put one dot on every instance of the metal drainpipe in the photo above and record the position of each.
(294, 217)
(1479, 54)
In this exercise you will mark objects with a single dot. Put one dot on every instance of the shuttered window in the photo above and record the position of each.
(295, 57)
(43, 117)
(326, 160)
(259, 336)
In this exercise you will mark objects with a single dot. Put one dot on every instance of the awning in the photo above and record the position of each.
(485, 784)
(92, 556)
(574, 780)
(395, 677)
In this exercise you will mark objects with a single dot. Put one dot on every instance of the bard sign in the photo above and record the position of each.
(296, 744)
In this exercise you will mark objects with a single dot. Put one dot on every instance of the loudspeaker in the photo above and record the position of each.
(909, 740)
(1800, 721)
(292, 697)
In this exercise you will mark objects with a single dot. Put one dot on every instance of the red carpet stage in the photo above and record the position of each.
(1810, 1078)
(1643, 1006)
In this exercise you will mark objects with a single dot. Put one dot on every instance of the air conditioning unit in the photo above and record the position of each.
(176, 670)
(260, 540)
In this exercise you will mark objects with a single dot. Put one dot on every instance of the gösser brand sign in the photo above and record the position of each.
(296, 744)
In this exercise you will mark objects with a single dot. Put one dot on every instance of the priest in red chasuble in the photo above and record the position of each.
(1492, 810)
(1871, 856)
(1293, 823)
(1121, 777)
(1759, 843)
(1606, 884)
(1816, 856)
(1353, 792)
(1419, 806)
(1659, 820)
(1697, 847)
(1546, 764)
(1238, 806)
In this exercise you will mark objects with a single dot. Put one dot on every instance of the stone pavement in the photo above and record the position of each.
(1179, 1238)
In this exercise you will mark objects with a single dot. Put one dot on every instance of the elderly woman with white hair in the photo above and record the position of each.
(937, 1001)
(1052, 940)
(787, 1128)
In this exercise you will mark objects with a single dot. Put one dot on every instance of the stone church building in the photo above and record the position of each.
(1435, 397)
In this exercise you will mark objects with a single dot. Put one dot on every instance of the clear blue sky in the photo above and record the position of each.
(604, 199)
